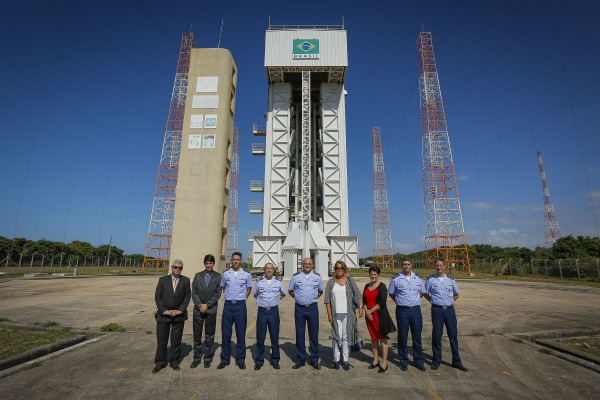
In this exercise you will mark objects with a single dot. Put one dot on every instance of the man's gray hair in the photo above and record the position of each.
(178, 261)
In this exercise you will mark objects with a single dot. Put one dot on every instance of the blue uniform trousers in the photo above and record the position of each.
(409, 317)
(441, 316)
(267, 318)
(302, 315)
(234, 313)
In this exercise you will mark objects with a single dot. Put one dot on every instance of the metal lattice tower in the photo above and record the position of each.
(550, 221)
(232, 221)
(444, 229)
(383, 256)
(158, 244)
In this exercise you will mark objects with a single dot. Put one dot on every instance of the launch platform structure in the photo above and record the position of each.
(444, 229)
(158, 243)
(305, 209)
(550, 221)
(232, 218)
(383, 256)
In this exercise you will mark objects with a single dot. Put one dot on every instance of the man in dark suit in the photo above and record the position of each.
(206, 290)
(172, 297)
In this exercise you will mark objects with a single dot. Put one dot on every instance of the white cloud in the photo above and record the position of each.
(462, 178)
(480, 205)
(503, 232)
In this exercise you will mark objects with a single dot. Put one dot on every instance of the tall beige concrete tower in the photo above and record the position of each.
(202, 193)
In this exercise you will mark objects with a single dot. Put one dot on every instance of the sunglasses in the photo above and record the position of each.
(174, 267)
(338, 268)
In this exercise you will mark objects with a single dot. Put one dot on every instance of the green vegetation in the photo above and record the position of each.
(47, 324)
(516, 340)
(13, 342)
(112, 327)
(3, 319)
(149, 333)
(546, 351)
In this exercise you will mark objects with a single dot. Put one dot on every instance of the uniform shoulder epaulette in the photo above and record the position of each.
(279, 278)
(396, 275)
(431, 276)
(261, 278)
(418, 276)
(316, 273)
(297, 273)
(450, 276)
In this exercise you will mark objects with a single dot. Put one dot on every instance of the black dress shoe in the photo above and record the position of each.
(404, 368)
(314, 365)
(275, 366)
(222, 365)
(461, 367)
(241, 366)
(206, 364)
(420, 367)
(435, 366)
(298, 365)
(157, 368)
(382, 370)
(257, 367)
(195, 363)
(373, 366)
(175, 366)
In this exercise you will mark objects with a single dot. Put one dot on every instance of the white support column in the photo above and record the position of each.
(306, 175)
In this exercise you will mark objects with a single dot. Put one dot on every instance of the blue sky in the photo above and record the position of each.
(85, 89)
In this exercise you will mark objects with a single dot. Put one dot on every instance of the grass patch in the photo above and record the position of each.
(47, 324)
(18, 272)
(516, 340)
(112, 327)
(3, 319)
(584, 344)
(149, 332)
(477, 334)
(546, 351)
(13, 342)
(34, 364)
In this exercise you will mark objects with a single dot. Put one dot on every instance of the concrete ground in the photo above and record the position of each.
(119, 366)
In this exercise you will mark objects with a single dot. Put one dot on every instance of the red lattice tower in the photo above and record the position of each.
(444, 229)
(550, 221)
(232, 220)
(158, 243)
(383, 256)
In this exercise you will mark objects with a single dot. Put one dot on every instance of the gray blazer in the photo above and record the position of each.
(203, 294)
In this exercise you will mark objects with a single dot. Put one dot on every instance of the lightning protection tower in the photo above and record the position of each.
(550, 221)
(158, 243)
(383, 256)
(444, 229)
(232, 220)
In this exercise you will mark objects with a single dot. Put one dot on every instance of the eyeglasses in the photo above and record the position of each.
(174, 267)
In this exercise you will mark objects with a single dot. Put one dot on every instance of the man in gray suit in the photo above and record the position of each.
(172, 297)
(206, 290)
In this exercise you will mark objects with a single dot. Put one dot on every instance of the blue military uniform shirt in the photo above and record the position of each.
(407, 291)
(234, 287)
(442, 291)
(268, 295)
(306, 287)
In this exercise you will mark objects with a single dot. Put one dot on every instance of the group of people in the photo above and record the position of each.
(344, 302)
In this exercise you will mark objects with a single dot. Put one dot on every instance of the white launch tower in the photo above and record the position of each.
(305, 210)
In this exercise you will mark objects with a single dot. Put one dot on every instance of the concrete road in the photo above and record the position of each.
(120, 365)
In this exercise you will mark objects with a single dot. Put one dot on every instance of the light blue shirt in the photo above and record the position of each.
(268, 295)
(234, 287)
(441, 292)
(407, 291)
(306, 287)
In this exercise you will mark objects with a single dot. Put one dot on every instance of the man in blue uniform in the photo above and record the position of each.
(236, 283)
(306, 287)
(406, 289)
(442, 291)
(268, 291)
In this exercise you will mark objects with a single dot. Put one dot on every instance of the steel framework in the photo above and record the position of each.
(550, 221)
(444, 229)
(383, 256)
(158, 243)
(232, 218)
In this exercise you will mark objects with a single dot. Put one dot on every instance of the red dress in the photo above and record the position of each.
(370, 297)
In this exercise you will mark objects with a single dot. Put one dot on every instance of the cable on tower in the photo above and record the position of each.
(158, 243)
(383, 256)
(444, 229)
(550, 221)
(232, 219)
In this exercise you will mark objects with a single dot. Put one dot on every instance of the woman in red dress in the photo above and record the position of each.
(379, 322)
